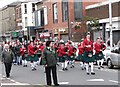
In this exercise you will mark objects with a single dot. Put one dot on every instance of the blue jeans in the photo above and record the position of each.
(19, 60)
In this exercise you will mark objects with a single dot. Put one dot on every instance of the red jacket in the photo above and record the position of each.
(22, 51)
(42, 47)
(37, 48)
(81, 49)
(70, 50)
(61, 51)
(97, 48)
(56, 47)
(31, 50)
(86, 43)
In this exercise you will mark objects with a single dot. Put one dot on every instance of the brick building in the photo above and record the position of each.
(101, 11)
(60, 17)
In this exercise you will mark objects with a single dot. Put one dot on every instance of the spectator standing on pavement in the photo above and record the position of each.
(7, 59)
(17, 49)
(13, 47)
(49, 61)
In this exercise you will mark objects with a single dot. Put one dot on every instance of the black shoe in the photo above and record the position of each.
(73, 66)
(88, 73)
(98, 67)
(49, 84)
(63, 69)
(33, 69)
(82, 68)
(66, 69)
(56, 84)
(8, 75)
(58, 65)
(24, 66)
(101, 66)
(92, 73)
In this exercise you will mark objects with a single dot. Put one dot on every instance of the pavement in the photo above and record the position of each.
(23, 76)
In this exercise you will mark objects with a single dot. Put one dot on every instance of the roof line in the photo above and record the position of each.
(100, 4)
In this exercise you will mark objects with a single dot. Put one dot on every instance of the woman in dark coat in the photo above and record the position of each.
(49, 61)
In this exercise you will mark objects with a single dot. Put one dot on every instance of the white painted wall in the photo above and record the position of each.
(28, 15)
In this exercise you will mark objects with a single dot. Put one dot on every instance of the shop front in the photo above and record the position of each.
(31, 33)
(7, 36)
(44, 36)
(61, 33)
(21, 36)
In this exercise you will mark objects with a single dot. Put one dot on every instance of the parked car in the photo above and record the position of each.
(106, 52)
(113, 59)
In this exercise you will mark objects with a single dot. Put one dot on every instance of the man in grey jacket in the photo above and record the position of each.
(7, 59)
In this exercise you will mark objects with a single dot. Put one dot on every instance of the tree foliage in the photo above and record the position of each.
(93, 23)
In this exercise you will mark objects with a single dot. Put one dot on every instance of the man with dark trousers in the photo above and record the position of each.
(49, 61)
(7, 59)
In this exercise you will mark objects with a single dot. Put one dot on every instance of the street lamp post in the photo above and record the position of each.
(110, 19)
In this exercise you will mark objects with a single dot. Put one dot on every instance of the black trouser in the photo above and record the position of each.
(48, 75)
(8, 68)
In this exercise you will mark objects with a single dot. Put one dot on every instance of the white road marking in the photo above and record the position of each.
(96, 80)
(107, 70)
(63, 83)
(12, 80)
(61, 71)
(15, 84)
(114, 81)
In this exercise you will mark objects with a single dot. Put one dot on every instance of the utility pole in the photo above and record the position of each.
(69, 31)
(110, 19)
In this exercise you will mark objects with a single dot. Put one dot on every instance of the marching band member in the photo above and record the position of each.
(88, 54)
(98, 47)
(80, 54)
(23, 53)
(71, 53)
(32, 55)
(56, 46)
(62, 56)
(38, 51)
(103, 47)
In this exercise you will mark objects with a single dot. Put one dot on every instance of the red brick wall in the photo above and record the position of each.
(95, 12)
(60, 24)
